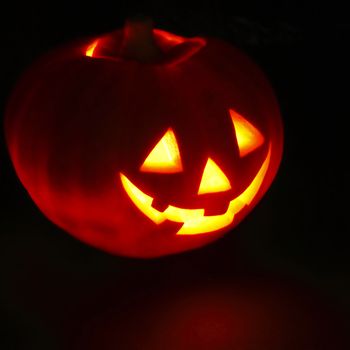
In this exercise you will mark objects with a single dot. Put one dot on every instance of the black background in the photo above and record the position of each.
(55, 291)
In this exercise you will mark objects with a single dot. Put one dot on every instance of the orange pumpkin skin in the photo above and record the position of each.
(78, 120)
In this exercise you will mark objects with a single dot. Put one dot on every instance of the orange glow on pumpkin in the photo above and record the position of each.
(170, 37)
(194, 220)
(164, 157)
(213, 179)
(248, 136)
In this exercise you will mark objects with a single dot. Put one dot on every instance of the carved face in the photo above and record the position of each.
(165, 158)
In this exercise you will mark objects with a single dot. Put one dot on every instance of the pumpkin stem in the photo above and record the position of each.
(138, 40)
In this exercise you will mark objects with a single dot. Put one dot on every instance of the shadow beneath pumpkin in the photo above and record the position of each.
(248, 314)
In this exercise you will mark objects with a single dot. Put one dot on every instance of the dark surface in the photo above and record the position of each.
(55, 292)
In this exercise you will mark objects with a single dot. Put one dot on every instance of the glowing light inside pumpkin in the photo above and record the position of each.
(91, 48)
(194, 221)
(164, 157)
(213, 179)
(248, 137)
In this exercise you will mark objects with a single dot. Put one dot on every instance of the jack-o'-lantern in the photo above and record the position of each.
(144, 143)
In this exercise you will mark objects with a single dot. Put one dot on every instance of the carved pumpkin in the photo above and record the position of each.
(143, 143)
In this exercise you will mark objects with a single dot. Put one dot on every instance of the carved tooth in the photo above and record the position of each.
(159, 205)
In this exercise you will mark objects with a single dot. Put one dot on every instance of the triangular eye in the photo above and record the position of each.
(248, 136)
(164, 157)
(213, 179)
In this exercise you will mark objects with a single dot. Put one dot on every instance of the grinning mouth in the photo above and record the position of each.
(194, 220)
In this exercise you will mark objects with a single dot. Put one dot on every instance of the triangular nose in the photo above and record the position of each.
(213, 179)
